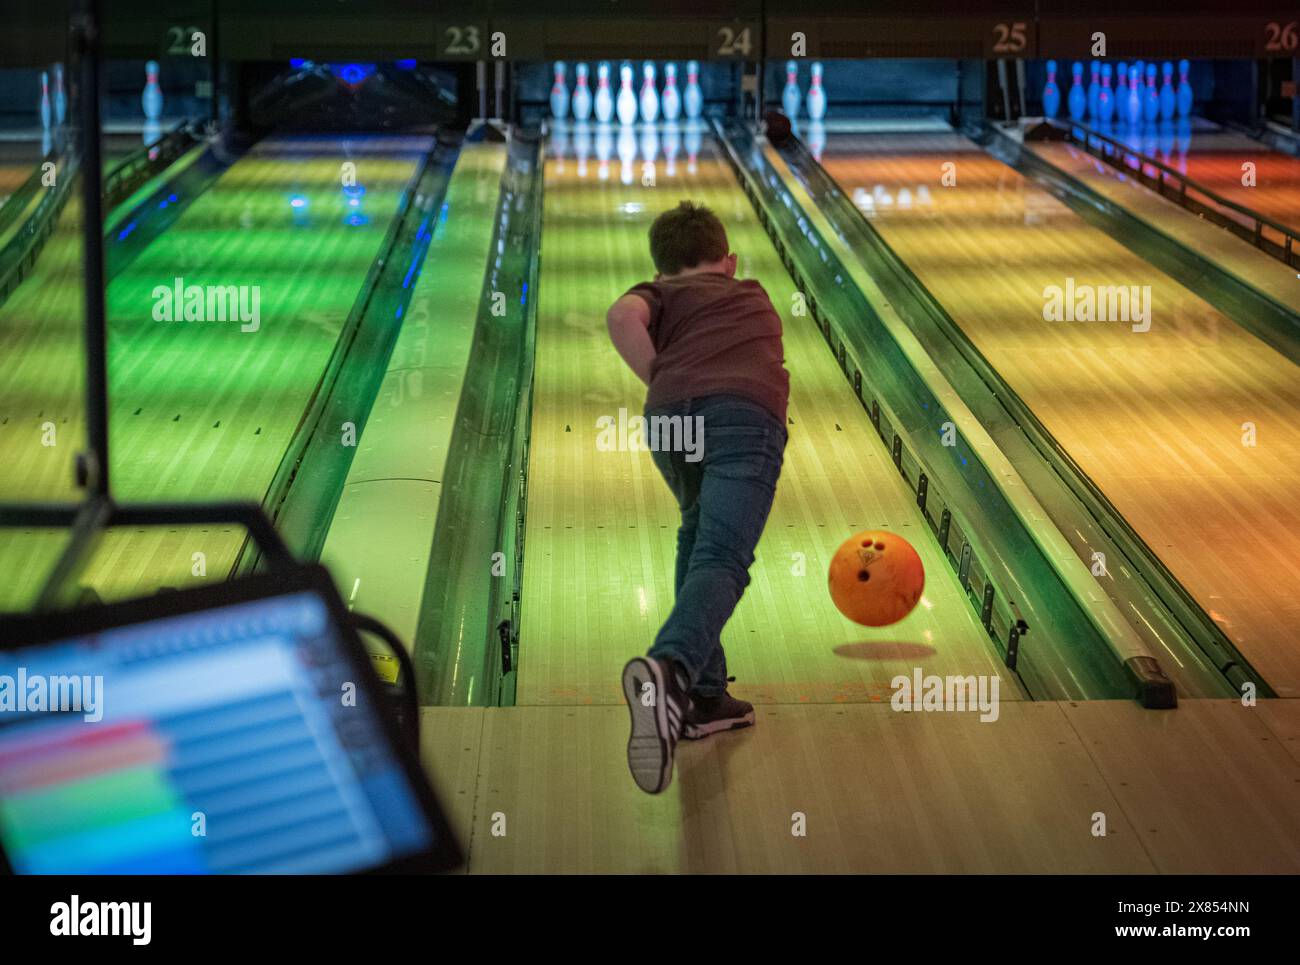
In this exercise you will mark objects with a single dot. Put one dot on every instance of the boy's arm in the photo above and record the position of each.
(629, 322)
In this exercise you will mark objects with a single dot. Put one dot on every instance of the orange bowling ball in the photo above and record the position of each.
(876, 577)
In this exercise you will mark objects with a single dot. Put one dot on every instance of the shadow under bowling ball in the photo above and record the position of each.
(884, 650)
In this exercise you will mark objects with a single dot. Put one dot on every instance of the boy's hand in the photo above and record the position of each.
(628, 321)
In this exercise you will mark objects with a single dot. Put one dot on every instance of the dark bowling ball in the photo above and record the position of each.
(778, 128)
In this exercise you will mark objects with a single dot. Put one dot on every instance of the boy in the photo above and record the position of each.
(709, 347)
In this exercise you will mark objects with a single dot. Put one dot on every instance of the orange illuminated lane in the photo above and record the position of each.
(1217, 159)
(18, 159)
(1188, 428)
(11, 178)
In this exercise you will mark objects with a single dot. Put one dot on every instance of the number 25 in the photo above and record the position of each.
(1011, 38)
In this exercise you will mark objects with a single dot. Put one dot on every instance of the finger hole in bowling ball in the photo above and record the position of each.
(880, 546)
(866, 542)
(863, 576)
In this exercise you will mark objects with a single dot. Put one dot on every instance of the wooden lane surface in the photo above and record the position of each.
(1154, 418)
(600, 541)
(198, 410)
(1205, 789)
(1217, 159)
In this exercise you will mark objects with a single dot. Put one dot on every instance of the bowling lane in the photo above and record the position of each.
(42, 369)
(41, 365)
(19, 159)
(601, 526)
(21, 149)
(1156, 419)
(199, 410)
(12, 176)
(1214, 157)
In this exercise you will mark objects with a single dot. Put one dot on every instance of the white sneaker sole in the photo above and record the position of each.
(649, 748)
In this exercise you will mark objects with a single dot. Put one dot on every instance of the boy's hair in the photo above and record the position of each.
(686, 236)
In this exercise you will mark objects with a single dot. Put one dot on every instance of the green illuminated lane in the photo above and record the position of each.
(41, 358)
(42, 370)
(199, 409)
(598, 557)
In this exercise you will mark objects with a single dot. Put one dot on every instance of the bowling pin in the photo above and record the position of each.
(693, 100)
(1151, 98)
(649, 94)
(1168, 100)
(1078, 102)
(1134, 109)
(671, 102)
(60, 97)
(559, 94)
(1183, 99)
(816, 95)
(45, 101)
(1121, 89)
(581, 95)
(1105, 101)
(625, 106)
(604, 99)
(791, 95)
(151, 99)
(1141, 88)
(1094, 90)
(1051, 93)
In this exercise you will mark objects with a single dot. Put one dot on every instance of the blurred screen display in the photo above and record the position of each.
(233, 740)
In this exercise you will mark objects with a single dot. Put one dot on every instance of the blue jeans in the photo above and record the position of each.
(725, 492)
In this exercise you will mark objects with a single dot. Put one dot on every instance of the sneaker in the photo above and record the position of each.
(710, 715)
(656, 723)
